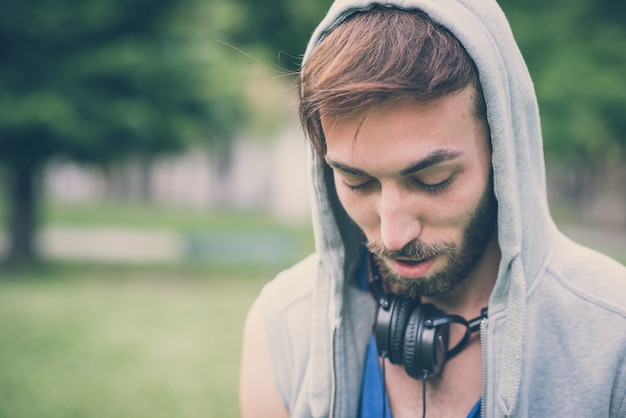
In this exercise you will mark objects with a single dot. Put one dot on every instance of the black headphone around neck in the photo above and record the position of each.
(416, 334)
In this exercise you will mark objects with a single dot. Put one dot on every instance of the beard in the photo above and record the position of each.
(462, 258)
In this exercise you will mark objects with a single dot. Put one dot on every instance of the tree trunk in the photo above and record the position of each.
(22, 214)
(145, 179)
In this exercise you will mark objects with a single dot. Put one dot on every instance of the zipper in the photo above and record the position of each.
(333, 374)
(483, 346)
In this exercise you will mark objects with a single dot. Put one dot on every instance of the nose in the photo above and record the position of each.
(399, 219)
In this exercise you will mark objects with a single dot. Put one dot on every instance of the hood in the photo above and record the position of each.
(525, 229)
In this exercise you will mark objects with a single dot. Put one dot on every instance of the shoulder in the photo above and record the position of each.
(290, 288)
(589, 275)
(258, 394)
(275, 342)
(576, 314)
(284, 308)
(579, 301)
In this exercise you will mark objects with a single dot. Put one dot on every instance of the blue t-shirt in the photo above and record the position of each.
(372, 395)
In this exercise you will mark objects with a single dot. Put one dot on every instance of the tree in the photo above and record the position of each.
(100, 80)
(575, 53)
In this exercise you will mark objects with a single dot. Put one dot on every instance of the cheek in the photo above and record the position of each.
(446, 216)
(461, 207)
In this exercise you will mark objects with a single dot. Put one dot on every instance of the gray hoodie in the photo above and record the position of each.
(555, 341)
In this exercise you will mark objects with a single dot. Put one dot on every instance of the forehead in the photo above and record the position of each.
(405, 129)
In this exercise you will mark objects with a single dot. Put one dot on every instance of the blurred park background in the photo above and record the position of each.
(153, 178)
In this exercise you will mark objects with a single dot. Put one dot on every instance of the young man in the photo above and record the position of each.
(431, 224)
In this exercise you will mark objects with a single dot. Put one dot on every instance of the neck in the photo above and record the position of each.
(472, 294)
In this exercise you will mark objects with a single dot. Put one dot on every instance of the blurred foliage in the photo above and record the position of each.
(97, 80)
(576, 56)
(283, 27)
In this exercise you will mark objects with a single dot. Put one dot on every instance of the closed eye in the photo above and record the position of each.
(433, 188)
(360, 187)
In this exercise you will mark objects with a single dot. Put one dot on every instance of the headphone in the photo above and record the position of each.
(416, 334)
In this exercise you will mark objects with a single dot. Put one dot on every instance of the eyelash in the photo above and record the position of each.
(359, 188)
(434, 188)
(429, 188)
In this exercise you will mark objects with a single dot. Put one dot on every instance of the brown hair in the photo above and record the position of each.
(380, 56)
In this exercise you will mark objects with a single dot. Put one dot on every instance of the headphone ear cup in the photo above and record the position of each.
(412, 342)
(390, 325)
(399, 320)
(425, 346)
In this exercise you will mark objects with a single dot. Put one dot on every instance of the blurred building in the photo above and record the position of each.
(255, 175)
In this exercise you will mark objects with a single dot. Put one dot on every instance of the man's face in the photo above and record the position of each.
(416, 178)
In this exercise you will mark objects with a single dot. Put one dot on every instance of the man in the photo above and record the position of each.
(431, 223)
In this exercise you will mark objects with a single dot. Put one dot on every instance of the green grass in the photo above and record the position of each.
(80, 340)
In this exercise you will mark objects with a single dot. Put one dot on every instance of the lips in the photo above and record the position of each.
(412, 269)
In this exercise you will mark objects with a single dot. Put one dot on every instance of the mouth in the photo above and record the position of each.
(412, 269)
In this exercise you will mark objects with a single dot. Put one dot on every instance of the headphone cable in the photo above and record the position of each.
(424, 377)
(384, 389)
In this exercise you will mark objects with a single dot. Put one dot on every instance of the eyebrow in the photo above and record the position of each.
(435, 157)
